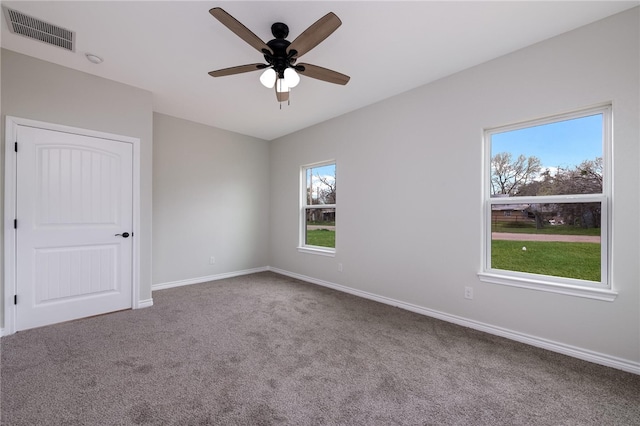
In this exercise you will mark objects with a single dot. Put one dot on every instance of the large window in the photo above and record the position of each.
(318, 208)
(547, 199)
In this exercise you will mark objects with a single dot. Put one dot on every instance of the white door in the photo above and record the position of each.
(74, 211)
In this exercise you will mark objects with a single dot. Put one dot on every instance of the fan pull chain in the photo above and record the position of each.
(288, 100)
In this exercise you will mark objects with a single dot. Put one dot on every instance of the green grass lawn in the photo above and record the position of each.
(560, 259)
(322, 222)
(530, 228)
(321, 237)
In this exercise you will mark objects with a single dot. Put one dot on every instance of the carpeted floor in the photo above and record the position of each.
(266, 349)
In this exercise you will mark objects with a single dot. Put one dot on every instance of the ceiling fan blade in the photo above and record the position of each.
(323, 74)
(282, 96)
(237, 70)
(313, 35)
(240, 30)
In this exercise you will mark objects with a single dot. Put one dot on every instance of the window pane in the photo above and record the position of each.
(561, 239)
(558, 158)
(320, 227)
(321, 185)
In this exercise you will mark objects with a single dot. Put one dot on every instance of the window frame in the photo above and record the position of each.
(303, 247)
(602, 290)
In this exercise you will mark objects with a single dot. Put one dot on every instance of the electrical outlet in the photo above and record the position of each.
(339, 267)
(468, 292)
(212, 260)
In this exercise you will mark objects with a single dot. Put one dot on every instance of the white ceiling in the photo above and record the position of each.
(168, 47)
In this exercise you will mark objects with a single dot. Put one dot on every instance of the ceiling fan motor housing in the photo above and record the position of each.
(280, 30)
(279, 59)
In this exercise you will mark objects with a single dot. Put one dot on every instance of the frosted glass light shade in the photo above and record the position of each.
(268, 78)
(281, 85)
(291, 77)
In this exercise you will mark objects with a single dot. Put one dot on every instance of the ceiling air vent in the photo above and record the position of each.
(34, 28)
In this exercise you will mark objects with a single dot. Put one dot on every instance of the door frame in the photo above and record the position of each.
(10, 209)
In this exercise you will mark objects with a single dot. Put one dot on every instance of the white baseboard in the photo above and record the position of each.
(580, 353)
(1, 332)
(200, 280)
(147, 303)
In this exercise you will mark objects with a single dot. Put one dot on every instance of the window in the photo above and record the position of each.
(318, 209)
(546, 204)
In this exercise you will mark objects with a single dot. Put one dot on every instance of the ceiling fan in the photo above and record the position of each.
(281, 70)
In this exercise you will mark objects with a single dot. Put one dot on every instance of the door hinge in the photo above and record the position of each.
(15, 299)
(16, 147)
(15, 223)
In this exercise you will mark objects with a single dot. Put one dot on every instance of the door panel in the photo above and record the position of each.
(74, 194)
(77, 186)
(74, 272)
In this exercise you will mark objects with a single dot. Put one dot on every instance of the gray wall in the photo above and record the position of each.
(409, 175)
(43, 91)
(210, 198)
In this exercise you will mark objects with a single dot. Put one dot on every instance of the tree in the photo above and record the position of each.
(508, 176)
(321, 189)
(327, 191)
(586, 178)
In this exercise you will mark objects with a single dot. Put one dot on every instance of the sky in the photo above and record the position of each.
(564, 144)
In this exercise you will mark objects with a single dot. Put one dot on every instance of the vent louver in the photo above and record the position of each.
(34, 28)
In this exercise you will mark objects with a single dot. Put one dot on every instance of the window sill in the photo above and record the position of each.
(317, 250)
(549, 286)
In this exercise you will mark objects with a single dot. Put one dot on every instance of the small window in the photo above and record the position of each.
(318, 208)
(546, 204)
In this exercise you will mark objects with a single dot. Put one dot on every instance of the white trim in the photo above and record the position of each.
(147, 303)
(317, 250)
(10, 182)
(553, 118)
(136, 303)
(597, 293)
(553, 199)
(10, 284)
(569, 350)
(200, 280)
(1, 332)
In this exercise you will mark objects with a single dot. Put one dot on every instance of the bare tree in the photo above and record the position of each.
(588, 176)
(321, 189)
(327, 191)
(508, 175)
(585, 178)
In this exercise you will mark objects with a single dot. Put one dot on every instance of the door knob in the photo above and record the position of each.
(123, 235)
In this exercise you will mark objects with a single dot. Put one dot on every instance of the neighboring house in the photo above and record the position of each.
(511, 213)
(321, 215)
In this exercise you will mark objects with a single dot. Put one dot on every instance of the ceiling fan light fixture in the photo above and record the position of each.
(291, 77)
(281, 55)
(281, 85)
(268, 78)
